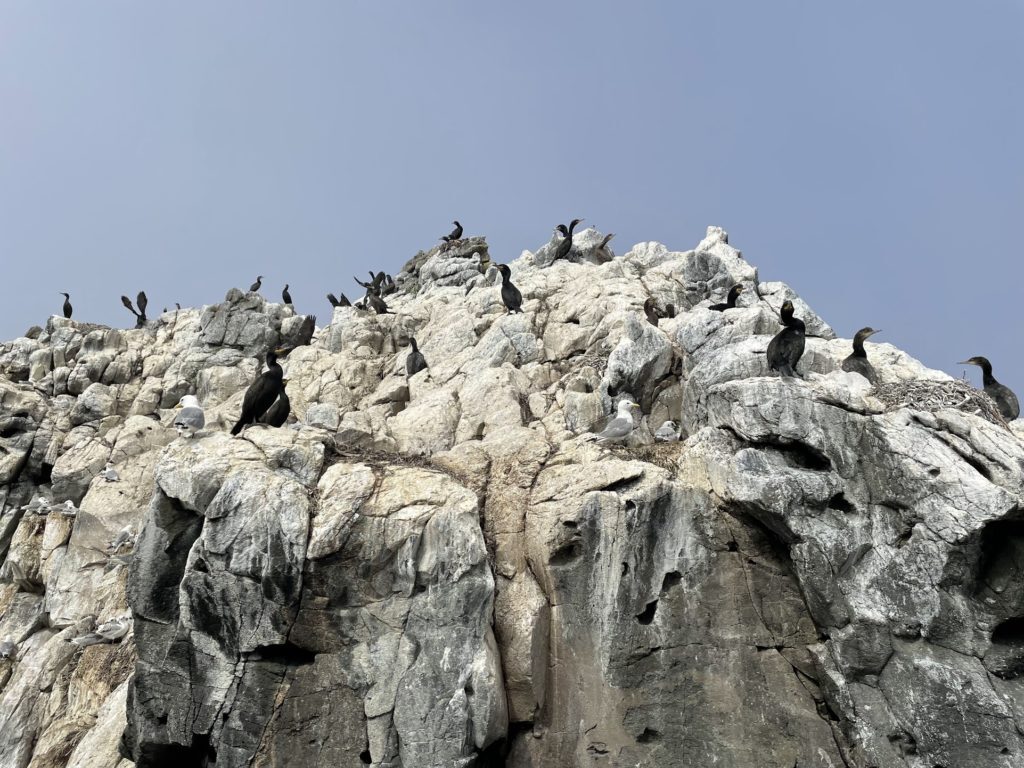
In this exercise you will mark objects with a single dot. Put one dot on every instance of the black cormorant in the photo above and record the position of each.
(277, 414)
(287, 297)
(1001, 394)
(510, 295)
(339, 302)
(415, 362)
(651, 312)
(858, 362)
(378, 304)
(565, 244)
(786, 348)
(730, 300)
(67, 304)
(142, 302)
(456, 234)
(139, 320)
(256, 286)
(261, 393)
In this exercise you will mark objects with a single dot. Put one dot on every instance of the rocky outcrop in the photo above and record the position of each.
(437, 571)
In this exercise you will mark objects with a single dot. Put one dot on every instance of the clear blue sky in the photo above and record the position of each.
(870, 154)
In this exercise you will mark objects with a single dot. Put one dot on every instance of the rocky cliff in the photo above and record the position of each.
(437, 571)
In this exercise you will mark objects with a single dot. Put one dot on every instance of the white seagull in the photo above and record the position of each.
(190, 418)
(619, 428)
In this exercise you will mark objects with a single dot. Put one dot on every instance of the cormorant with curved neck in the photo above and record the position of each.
(256, 286)
(277, 414)
(261, 393)
(456, 234)
(287, 297)
(67, 304)
(786, 348)
(858, 362)
(565, 244)
(510, 295)
(730, 300)
(1001, 394)
(378, 304)
(415, 362)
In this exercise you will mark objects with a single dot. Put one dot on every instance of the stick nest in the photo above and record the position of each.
(935, 396)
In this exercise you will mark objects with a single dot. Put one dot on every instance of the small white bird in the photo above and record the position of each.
(125, 539)
(8, 648)
(667, 433)
(114, 629)
(190, 418)
(38, 506)
(110, 474)
(619, 428)
(68, 508)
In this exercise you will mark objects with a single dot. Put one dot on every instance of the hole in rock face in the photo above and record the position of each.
(625, 569)
(1010, 632)
(672, 579)
(1001, 563)
(934, 471)
(732, 546)
(364, 757)
(647, 615)
(649, 735)
(840, 503)
(567, 553)
(286, 653)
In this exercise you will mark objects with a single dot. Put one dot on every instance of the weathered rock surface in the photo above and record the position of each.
(434, 571)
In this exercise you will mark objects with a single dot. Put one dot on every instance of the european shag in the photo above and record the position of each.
(651, 312)
(285, 296)
(67, 304)
(565, 244)
(378, 304)
(261, 393)
(456, 234)
(415, 361)
(1001, 394)
(256, 286)
(190, 419)
(510, 295)
(604, 243)
(730, 300)
(858, 362)
(785, 350)
(277, 414)
(339, 302)
(619, 428)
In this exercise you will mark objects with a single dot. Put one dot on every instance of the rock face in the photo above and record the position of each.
(436, 571)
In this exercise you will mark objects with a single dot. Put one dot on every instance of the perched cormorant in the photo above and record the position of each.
(261, 393)
(1001, 394)
(415, 362)
(388, 286)
(305, 333)
(67, 304)
(786, 348)
(190, 419)
(730, 300)
(287, 297)
(565, 244)
(456, 233)
(651, 312)
(858, 361)
(256, 286)
(604, 244)
(336, 302)
(277, 414)
(378, 304)
(619, 428)
(510, 295)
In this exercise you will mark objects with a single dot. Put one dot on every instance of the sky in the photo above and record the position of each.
(869, 154)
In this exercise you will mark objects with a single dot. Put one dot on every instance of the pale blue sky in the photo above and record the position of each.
(870, 154)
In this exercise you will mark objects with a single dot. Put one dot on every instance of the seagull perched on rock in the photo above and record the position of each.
(68, 509)
(619, 428)
(125, 537)
(8, 648)
(667, 433)
(110, 474)
(190, 418)
(38, 506)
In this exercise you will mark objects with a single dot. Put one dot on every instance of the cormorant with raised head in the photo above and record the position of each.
(858, 361)
(456, 234)
(1001, 394)
(510, 295)
(256, 286)
(786, 348)
(285, 296)
(261, 393)
(277, 414)
(565, 244)
(67, 304)
(415, 361)
(651, 312)
(339, 302)
(730, 300)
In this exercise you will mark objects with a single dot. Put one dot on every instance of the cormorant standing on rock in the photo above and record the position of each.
(456, 234)
(565, 244)
(287, 297)
(651, 312)
(730, 300)
(415, 362)
(374, 300)
(510, 295)
(67, 304)
(261, 393)
(277, 414)
(785, 350)
(1001, 394)
(336, 302)
(255, 287)
(604, 244)
(858, 361)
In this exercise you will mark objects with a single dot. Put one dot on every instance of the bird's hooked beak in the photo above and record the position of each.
(874, 332)
(282, 351)
(967, 362)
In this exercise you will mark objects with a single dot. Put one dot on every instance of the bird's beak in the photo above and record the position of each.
(874, 332)
(965, 362)
(281, 351)
(178, 405)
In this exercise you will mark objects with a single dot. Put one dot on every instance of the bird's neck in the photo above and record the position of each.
(858, 347)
